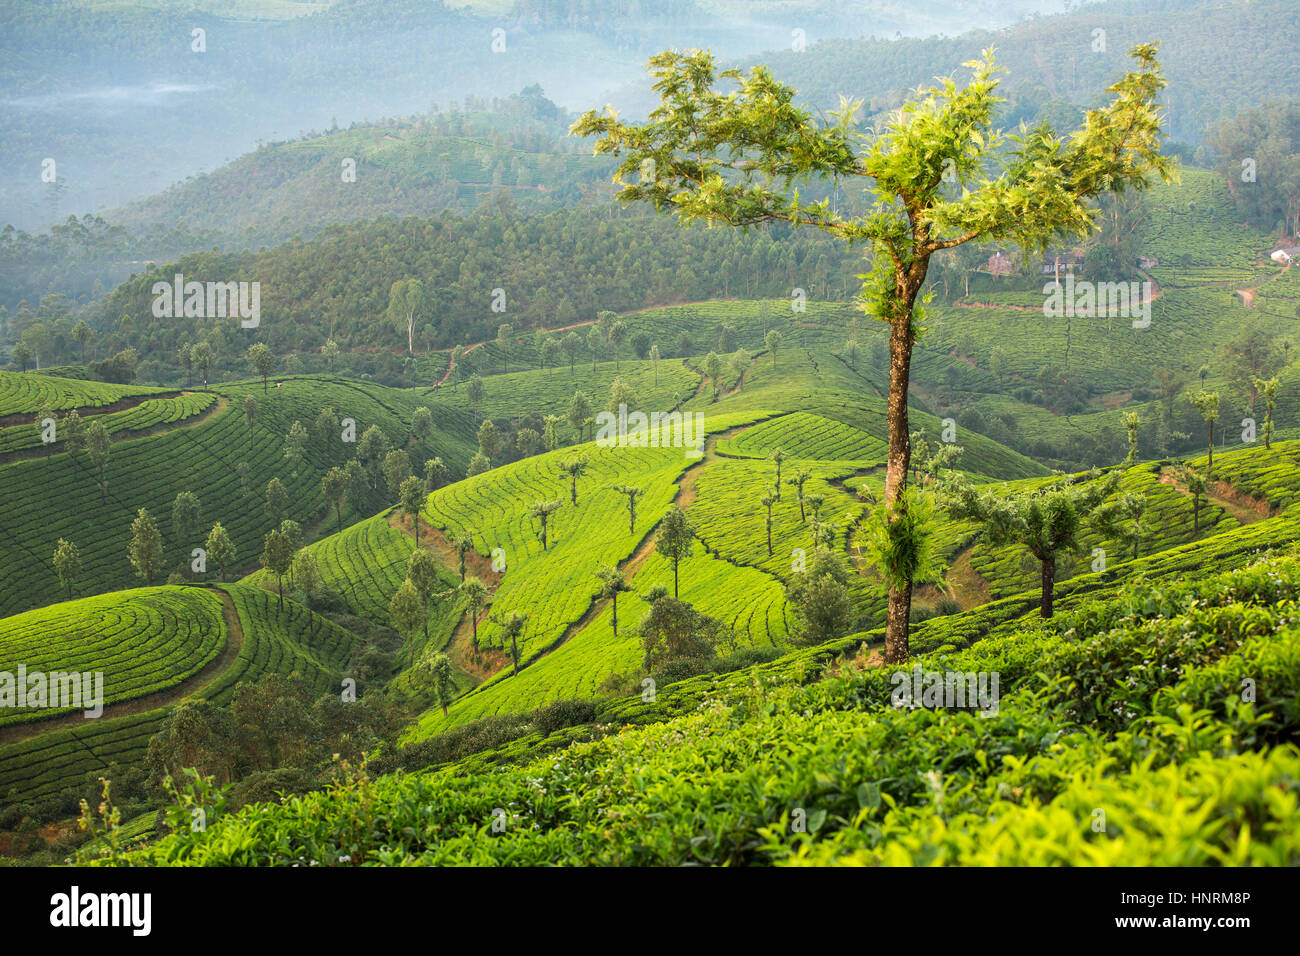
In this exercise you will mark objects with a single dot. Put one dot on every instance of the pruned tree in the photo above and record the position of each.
(798, 481)
(941, 173)
(777, 457)
(573, 469)
(476, 393)
(1207, 403)
(773, 343)
(1047, 521)
(1197, 485)
(612, 584)
(632, 492)
(768, 499)
(1268, 389)
(542, 511)
(476, 596)
(440, 679)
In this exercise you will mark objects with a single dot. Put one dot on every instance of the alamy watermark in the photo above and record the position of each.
(208, 300)
(75, 690)
(656, 430)
(1084, 299)
(954, 690)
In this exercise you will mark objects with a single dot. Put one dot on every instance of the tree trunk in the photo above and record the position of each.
(674, 578)
(1049, 586)
(1209, 467)
(615, 615)
(899, 459)
(1196, 514)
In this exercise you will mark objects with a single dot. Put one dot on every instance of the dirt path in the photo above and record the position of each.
(1242, 507)
(163, 698)
(460, 649)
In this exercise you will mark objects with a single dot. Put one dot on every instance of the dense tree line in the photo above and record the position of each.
(552, 271)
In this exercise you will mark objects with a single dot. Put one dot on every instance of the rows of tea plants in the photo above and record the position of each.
(293, 640)
(750, 603)
(553, 586)
(1271, 475)
(807, 436)
(1083, 720)
(49, 498)
(149, 413)
(21, 393)
(276, 641)
(1195, 223)
(141, 641)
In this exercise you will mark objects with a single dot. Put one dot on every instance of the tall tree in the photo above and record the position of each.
(72, 432)
(185, 519)
(579, 411)
(939, 171)
(422, 571)
(262, 360)
(505, 334)
(489, 440)
(276, 500)
(250, 416)
(406, 301)
(67, 564)
(476, 393)
(295, 443)
(411, 496)
(219, 548)
(406, 612)
(98, 444)
(572, 344)
(773, 342)
(435, 475)
(277, 557)
(422, 427)
(334, 486)
(654, 360)
(440, 677)
(397, 468)
(145, 549)
(675, 540)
